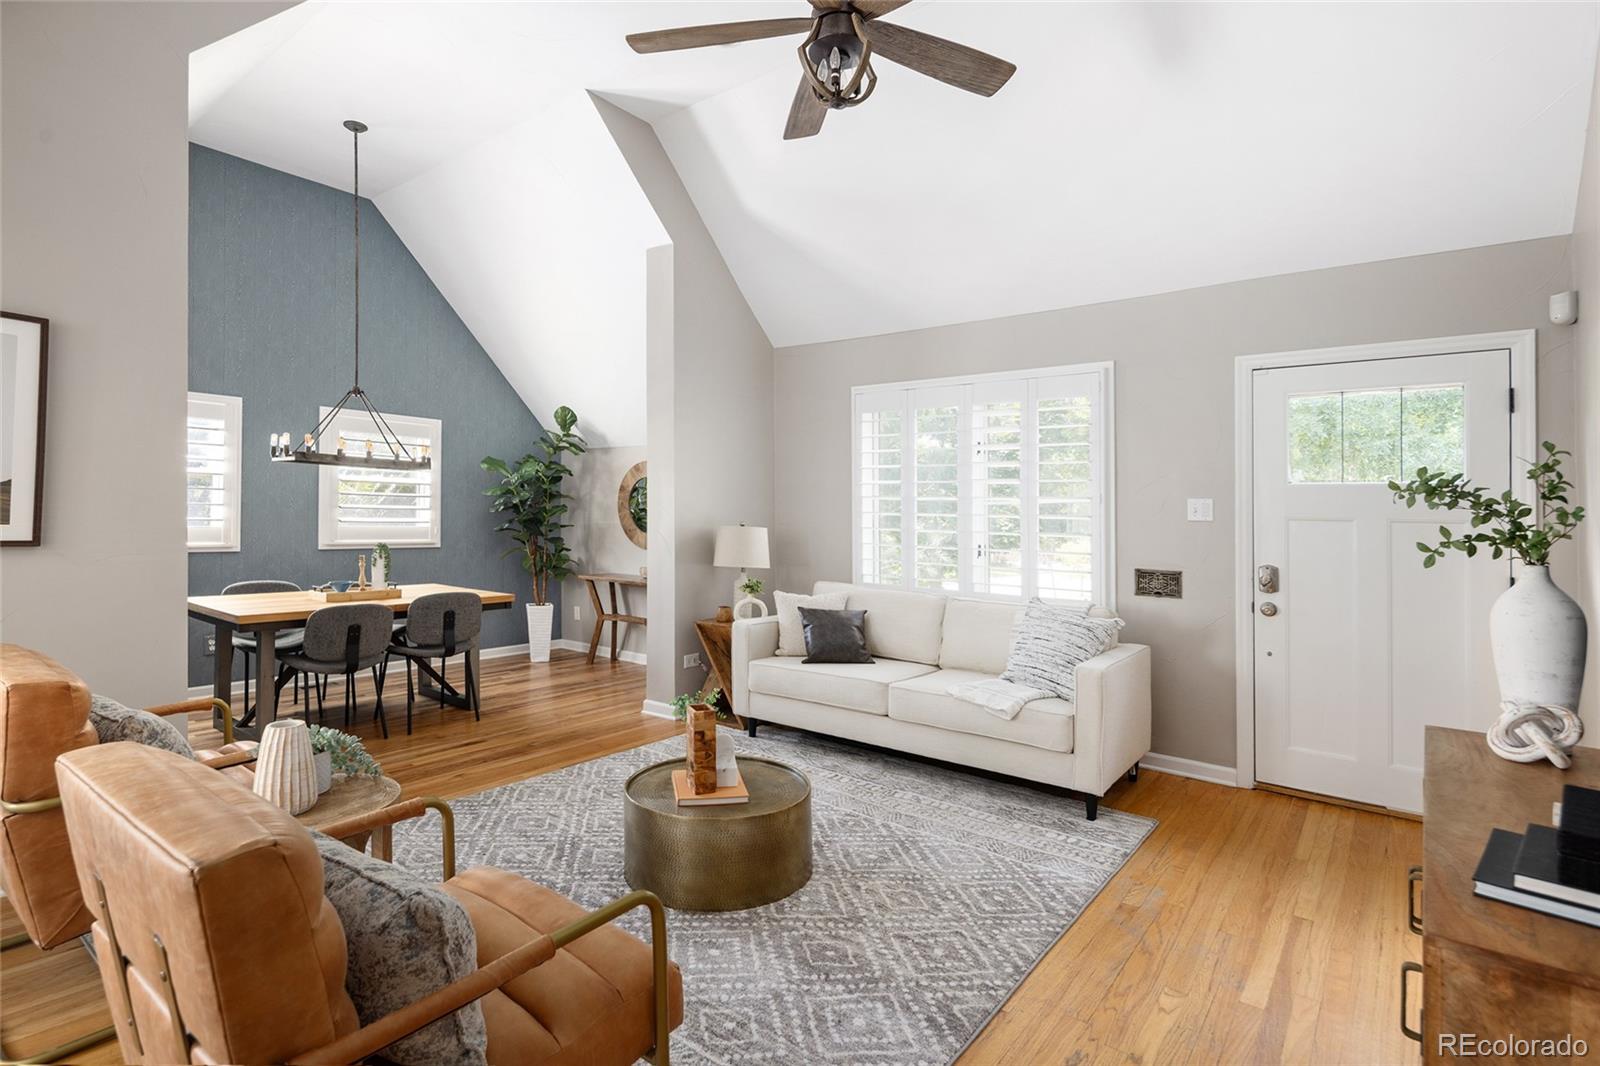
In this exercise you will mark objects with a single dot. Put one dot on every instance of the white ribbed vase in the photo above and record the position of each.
(286, 769)
(1539, 637)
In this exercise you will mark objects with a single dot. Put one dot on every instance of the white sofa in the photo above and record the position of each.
(923, 644)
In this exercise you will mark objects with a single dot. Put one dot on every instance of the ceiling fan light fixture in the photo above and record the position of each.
(837, 60)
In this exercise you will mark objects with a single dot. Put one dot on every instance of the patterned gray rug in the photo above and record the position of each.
(934, 892)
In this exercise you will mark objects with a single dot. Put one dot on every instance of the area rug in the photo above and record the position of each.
(934, 892)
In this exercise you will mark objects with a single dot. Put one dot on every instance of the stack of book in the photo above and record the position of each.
(1555, 870)
(686, 796)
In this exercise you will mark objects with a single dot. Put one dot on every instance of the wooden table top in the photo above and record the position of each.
(349, 797)
(637, 580)
(257, 608)
(1469, 790)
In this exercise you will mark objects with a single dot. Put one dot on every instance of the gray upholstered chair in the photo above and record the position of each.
(346, 639)
(283, 641)
(437, 627)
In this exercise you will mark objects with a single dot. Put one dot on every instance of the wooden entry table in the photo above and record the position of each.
(264, 613)
(592, 582)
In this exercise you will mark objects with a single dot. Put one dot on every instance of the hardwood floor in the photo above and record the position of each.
(1249, 928)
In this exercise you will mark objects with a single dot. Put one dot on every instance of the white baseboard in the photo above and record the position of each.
(657, 709)
(1200, 771)
(503, 651)
(602, 652)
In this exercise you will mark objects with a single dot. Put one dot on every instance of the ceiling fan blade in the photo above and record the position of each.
(873, 9)
(828, 5)
(954, 64)
(720, 33)
(805, 114)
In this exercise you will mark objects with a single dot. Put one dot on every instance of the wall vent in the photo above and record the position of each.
(1167, 584)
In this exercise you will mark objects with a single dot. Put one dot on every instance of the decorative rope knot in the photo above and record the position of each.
(1528, 732)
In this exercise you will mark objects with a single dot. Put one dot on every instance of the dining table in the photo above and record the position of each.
(264, 613)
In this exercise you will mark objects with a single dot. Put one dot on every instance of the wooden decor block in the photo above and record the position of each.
(351, 595)
(702, 748)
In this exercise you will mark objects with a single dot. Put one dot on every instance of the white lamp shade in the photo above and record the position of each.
(742, 547)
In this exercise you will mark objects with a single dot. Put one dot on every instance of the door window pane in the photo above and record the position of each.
(1375, 436)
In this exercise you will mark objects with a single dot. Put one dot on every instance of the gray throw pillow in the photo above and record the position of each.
(834, 636)
(1050, 641)
(113, 722)
(405, 939)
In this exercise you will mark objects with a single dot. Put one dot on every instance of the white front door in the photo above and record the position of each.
(1357, 647)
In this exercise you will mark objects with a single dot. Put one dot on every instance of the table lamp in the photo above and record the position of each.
(744, 547)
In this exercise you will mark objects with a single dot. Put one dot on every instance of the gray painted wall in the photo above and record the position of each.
(94, 201)
(1586, 279)
(270, 305)
(1174, 357)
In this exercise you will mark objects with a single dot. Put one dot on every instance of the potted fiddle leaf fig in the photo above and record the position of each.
(530, 500)
(1538, 634)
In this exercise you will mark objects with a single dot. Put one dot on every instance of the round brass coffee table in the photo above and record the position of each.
(718, 858)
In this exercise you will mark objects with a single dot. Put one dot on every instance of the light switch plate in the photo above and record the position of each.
(1200, 510)
(577, 613)
(691, 660)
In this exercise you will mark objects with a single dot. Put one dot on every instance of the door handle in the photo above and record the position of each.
(1267, 578)
(1268, 609)
(1406, 969)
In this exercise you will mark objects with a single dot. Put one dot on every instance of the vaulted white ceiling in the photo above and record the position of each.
(1139, 149)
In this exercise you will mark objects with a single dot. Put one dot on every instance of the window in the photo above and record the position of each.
(357, 507)
(994, 486)
(1375, 436)
(212, 462)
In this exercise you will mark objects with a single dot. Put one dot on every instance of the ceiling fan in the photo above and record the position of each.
(842, 36)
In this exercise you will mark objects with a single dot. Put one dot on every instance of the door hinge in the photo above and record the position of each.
(1511, 396)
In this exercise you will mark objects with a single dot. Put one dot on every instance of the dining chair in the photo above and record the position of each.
(346, 639)
(284, 640)
(439, 626)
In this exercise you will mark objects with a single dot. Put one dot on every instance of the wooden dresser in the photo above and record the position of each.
(1491, 968)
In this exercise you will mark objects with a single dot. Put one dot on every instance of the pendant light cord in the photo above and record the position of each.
(355, 196)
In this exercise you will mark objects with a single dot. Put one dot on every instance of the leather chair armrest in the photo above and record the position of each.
(370, 1039)
(400, 812)
(202, 703)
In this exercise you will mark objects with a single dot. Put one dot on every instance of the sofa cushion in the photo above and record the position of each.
(835, 636)
(854, 686)
(977, 635)
(926, 700)
(900, 625)
(791, 632)
(113, 722)
(1050, 642)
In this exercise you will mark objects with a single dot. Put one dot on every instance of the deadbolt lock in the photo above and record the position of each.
(1267, 578)
(1268, 609)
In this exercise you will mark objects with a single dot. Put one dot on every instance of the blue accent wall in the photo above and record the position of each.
(270, 320)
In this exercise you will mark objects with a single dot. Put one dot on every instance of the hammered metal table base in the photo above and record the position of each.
(719, 858)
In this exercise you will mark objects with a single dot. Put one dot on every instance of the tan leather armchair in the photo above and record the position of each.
(44, 711)
(216, 943)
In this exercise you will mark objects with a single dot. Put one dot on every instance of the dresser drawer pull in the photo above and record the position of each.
(1413, 920)
(1407, 968)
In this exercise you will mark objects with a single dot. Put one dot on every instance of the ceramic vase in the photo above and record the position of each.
(701, 723)
(324, 760)
(380, 573)
(286, 769)
(540, 618)
(1539, 636)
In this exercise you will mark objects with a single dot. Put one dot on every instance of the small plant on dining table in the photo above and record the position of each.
(348, 755)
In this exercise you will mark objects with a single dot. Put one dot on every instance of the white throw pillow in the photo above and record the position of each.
(791, 634)
(1049, 643)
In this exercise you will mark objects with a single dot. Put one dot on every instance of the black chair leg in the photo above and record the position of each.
(472, 690)
(411, 695)
(349, 696)
(444, 664)
(315, 685)
(247, 684)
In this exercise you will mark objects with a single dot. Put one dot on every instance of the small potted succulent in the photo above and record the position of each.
(333, 750)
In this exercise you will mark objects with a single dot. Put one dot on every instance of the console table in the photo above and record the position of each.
(1491, 968)
(592, 582)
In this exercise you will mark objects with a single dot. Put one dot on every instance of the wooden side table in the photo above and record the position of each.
(717, 640)
(349, 797)
(601, 616)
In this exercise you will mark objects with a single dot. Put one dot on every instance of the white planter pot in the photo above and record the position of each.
(1539, 637)
(380, 574)
(540, 618)
(324, 761)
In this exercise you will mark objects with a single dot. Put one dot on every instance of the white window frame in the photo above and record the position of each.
(330, 536)
(1096, 379)
(232, 410)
